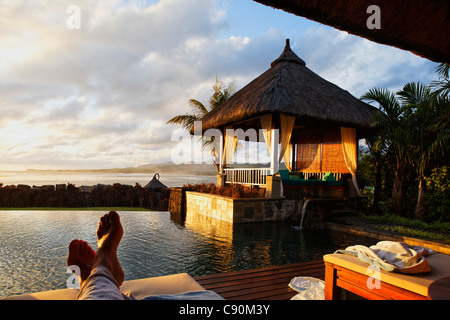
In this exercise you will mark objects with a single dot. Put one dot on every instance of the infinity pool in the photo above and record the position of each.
(33, 246)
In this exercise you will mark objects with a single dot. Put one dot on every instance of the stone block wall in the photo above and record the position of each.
(210, 205)
(242, 210)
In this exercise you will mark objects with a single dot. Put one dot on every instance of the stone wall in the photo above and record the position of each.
(210, 205)
(177, 204)
(242, 210)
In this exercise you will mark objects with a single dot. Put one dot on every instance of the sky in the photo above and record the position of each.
(90, 84)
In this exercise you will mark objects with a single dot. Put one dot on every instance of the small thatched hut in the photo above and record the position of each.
(306, 120)
(420, 26)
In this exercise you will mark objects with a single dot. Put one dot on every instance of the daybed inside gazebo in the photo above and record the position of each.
(307, 122)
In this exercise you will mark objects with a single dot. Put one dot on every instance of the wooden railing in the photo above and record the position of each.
(319, 175)
(247, 176)
(258, 176)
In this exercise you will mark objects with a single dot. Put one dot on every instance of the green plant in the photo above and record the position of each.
(438, 193)
(437, 225)
(414, 232)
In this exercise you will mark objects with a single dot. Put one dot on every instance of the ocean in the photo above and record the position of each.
(39, 178)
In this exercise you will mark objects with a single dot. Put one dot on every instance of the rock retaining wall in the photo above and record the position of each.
(242, 210)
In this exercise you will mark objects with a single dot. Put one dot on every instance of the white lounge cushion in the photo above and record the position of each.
(140, 288)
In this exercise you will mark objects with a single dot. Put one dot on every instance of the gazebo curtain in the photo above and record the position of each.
(349, 149)
(286, 127)
(230, 142)
(286, 124)
(266, 125)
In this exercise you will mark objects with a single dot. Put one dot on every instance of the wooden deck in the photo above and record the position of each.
(270, 283)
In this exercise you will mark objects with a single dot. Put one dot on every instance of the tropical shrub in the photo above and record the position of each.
(438, 194)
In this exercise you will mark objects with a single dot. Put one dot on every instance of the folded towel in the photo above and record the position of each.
(393, 256)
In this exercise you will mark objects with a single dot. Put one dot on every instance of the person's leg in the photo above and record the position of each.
(109, 234)
(105, 274)
(100, 285)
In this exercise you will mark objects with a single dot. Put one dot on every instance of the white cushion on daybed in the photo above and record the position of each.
(140, 288)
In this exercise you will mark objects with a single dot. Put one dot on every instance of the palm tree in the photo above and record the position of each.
(220, 95)
(379, 151)
(442, 86)
(391, 138)
(427, 121)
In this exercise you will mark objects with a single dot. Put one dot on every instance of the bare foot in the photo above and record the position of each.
(109, 234)
(82, 255)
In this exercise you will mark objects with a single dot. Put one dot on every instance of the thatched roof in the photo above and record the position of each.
(290, 87)
(155, 183)
(419, 26)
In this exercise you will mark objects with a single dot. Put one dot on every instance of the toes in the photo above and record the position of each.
(73, 246)
(87, 250)
(84, 248)
(114, 217)
(110, 222)
(81, 248)
(102, 225)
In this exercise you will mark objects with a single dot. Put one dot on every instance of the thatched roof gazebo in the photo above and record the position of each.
(290, 87)
(420, 26)
(306, 120)
(155, 184)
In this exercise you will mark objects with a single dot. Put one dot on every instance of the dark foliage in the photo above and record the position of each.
(116, 195)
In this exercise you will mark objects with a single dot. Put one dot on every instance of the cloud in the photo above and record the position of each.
(100, 96)
(357, 64)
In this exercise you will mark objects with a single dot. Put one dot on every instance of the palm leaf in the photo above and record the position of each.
(443, 70)
(185, 120)
(387, 100)
(198, 108)
(442, 86)
(414, 94)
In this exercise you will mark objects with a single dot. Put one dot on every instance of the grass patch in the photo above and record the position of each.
(76, 209)
(415, 232)
(437, 230)
(408, 222)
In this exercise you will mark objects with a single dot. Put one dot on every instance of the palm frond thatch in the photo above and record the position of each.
(399, 22)
(290, 87)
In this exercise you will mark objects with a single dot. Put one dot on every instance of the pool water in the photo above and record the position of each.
(33, 246)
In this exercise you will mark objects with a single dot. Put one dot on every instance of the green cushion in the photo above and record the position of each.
(328, 177)
(284, 174)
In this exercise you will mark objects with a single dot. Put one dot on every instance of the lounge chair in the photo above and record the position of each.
(141, 288)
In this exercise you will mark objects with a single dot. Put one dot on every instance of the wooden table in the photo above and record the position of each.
(352, 274)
